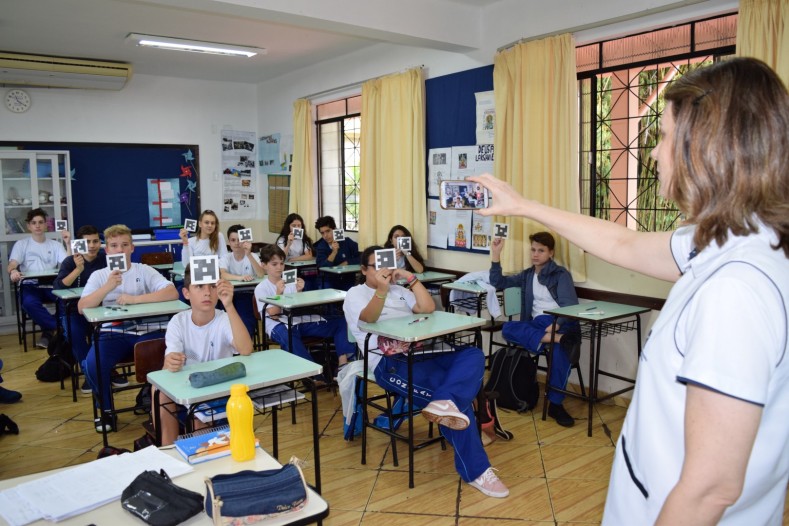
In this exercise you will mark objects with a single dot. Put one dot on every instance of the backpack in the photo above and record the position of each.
(513, 375)
(58, 366)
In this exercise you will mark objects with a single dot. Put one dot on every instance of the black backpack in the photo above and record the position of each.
(513, 375)
(58, 366)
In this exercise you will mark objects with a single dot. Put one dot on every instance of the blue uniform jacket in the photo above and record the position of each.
(555, 277)
(348, 252)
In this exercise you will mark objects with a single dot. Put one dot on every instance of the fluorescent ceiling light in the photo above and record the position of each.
(195, 46)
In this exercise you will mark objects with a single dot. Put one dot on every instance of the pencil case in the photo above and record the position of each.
(153, 498)
(225, 373)
(250, 496)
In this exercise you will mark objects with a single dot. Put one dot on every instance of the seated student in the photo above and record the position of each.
(7, 396)
(273, 259)
(207, 241)
(448, 382)
(545, 285)
(74, 272)
(412, 260)
(241, 264)
(201, 334)
(332, 253)
(295, 249)
(139, 284)
(36, 254)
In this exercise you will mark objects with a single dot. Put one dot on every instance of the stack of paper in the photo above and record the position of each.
(82, 488)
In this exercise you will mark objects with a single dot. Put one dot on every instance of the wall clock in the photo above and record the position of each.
(17, 100)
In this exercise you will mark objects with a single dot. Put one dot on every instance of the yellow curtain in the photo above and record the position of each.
(393, 158)
(302, 178)
(762, 33)
(536, 139)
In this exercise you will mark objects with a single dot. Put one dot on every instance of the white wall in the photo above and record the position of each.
(149, 110)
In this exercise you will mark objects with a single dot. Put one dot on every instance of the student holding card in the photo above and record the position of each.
(411, 260)
(544, 286)
(36, 254)
(201, 334)
(447, 382)
(207, 241)
(136, 283)
(241, 264)
(273, 259)
(295, 248)
(330, 252)
(75, 272)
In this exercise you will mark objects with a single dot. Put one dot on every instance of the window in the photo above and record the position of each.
(339, 130)
(620, 89)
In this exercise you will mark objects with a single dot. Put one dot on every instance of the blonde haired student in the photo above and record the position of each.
(207, 241)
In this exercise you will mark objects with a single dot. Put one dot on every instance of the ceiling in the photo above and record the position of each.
(295, 33)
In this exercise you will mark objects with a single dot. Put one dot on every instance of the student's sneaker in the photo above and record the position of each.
(43, 341)
(85, 388)
(109, 423)
(118, 380)
(489, 484)
(445, 413)
(562, 417)
(7, 396)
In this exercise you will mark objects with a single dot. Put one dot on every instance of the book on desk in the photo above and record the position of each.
(213, 412)
(206, 444)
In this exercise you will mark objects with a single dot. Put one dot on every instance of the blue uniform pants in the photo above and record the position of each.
(242, 301)
(455, 376)
(77, 330)
(115, 347)
(528, 334)
(33, 299)
(334, 327)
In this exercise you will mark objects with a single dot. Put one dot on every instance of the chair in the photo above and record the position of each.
(151, 358)
(491, 328)
(365, 378)
(148, 357)
(512, 307)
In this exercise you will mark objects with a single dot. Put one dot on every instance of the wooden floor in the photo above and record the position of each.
(556, 476)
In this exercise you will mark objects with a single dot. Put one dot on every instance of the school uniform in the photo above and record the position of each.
(202, 247)
(200, 343)
(347, 253)
(453, 375)
(724, 327)
(33, 256)
(242, 300)
(118, 345)
(303, 326)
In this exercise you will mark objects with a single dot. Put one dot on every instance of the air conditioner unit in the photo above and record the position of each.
(40, 71)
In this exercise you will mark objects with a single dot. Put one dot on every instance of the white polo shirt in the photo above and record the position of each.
(200, 344)
(724, 326)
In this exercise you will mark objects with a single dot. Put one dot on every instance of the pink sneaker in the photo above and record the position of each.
(445, 413)
(489, 484)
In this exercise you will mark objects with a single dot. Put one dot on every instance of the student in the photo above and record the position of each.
(241, 264)
(273, 259)
(544, 286)
(139, 284)
(332, 253)
(75, 272)
(705, 440)
(207, 241)
(201, 334)
(36, 254)
(295, 249)
(448, 382)
(412, 260)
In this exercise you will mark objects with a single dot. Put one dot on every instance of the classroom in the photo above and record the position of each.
(323, 52)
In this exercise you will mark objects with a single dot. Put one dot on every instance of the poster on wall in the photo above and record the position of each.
(438, 160)
(436, 237)
(239, 174)
(480, 231)
(483, 159)
(164, 205)
(268, 147)
(486, 117)
(463, 163)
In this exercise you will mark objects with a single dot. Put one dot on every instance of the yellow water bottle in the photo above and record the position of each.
(239, 415)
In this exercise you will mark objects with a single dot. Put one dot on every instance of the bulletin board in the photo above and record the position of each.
(450, 103)
(110, 182)
(278, 200)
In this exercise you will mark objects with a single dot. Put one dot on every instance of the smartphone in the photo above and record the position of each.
(463, 195)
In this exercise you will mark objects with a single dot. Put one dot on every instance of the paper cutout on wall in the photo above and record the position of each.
(164, 202)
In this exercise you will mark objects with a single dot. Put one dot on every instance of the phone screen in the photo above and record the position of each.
(463, 195)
